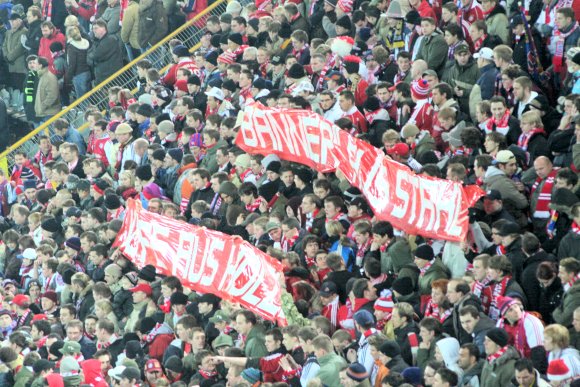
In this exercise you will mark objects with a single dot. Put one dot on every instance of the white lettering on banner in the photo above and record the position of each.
(186, 248)
(216, 246)
(399, 211)
(452, 205)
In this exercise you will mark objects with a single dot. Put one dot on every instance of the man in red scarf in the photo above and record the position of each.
(541, 194)
(525, 331)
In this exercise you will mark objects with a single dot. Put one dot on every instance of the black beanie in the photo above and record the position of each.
(498, 336)
(159, 155)
(178, 298)
(372, 104)
(390, 348)
(112, 202)
(146, 325)
(236, 38)
(133, 349)
(148, 273)
(143, 172)
(344, 22)
(296, 71)
(55, 349)
(403, 286)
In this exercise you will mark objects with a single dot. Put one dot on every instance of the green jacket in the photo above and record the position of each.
(255, 346)
(463, 77)
(435, 272)
(498, 24)
(570, 301)
(426, 144)
(23, 377)
(209, 161)
(434, 50)
(330, 366)
(424, 355)
(501, 371)
(397, 255)
(72, 381)
(293, 316)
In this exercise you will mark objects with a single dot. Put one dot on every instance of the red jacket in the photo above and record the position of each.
(159, 344)
(44, 48)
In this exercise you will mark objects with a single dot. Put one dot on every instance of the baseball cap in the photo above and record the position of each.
(28, 253)
(216, 93)
(493, 194)
(116, 372)
(153, 365)
(131, 373)
(399, 149)
(219, 316)
(70, 348)
(145, 288)
(328, 289)
(504, 156)
(484, 53)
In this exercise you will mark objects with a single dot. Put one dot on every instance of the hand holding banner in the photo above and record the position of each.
(416, 204)
(204, 260)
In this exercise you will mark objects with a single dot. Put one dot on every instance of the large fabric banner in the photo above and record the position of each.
(205, 260)
(416, 204)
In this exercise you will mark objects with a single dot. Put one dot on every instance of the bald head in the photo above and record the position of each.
(543, 166)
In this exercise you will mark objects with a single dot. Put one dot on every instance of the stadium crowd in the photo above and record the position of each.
(485, 94)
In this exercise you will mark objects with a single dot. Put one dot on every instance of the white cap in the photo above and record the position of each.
(116, 372)
(303, 86)
(28, 254)
(484, 53)
(216, 93)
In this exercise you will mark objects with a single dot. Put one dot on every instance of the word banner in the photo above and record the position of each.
(204, 260)
(416, 204)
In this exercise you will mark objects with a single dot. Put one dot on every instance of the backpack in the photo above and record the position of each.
(152, 23)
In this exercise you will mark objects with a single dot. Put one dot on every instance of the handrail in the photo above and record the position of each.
(45, 125)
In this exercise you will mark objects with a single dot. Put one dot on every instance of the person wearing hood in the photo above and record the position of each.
(462, 75)
(156, 337)
(78, 72)
(447, 351)
(471, 365)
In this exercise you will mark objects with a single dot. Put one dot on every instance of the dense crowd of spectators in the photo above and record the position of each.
(484, 94)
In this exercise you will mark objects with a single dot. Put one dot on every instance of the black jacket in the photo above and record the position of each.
(397, 364)
(206, 194)
(549, 299)
(105, 57)
(402, 337)
(33, 37)
(460, 333)
(515, 254)
(530, 282)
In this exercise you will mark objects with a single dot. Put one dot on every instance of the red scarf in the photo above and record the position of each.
(362, 249)
(498, 290)
(478, 43)
(330, 311)
(148, 338)
(381, 324)
(371, 116)
(524, 139)
(478, 286)
(545, 196)
(575, 228)
(288, 243)
(433, 310)
(208, 374)
(47, 10)
(255, 205)
(558, 60)
(298, 53)
(310, 219)
(497, 355)
(22, 319)
(501, 124)
(426, 267)
(569, 284)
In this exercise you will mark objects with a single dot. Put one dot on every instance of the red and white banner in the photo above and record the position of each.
(416, 204)
(204, 260)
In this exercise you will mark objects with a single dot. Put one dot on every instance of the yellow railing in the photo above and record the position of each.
(189, 33)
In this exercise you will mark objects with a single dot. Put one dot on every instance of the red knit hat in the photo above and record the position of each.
(385, 304)
(558, 370)
(420, 89)
(504, 303)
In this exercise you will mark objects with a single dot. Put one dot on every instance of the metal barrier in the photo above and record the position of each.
(190, 34)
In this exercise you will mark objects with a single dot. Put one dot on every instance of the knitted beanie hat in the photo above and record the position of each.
(420, 89)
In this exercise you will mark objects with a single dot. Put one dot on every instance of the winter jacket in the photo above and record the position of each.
(424, 355)
(160, 342)
(105, 57)
(549, 299)
(209, 162)
(472, 375)
(396, 255)
(513, 200)
(130, 26)
(460, 333)
(453, 258)
(77, 59)
(516, 256)
(330, 365)
(111, 16)
(44, 48)
(570, 301)
(480, 330)
(435, 272)
(569, 246)
(434, 50)
(498, 24)
(529, 281)
(33, 36)
(47, 101)
(464, 78)
(85, 302)
(402, 337)
(501, 371)
(14, 52)
(255, 346)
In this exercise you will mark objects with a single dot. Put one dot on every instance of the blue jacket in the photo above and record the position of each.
(486, 81)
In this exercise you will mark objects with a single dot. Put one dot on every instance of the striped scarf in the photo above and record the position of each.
(47, 10)
(497, 355)
(569, 284)
(524, 139)
(498, 290)
(478, 286)
(433, 310)
(560, 43)
(426, 267)
(255, 205)
(545, 196)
